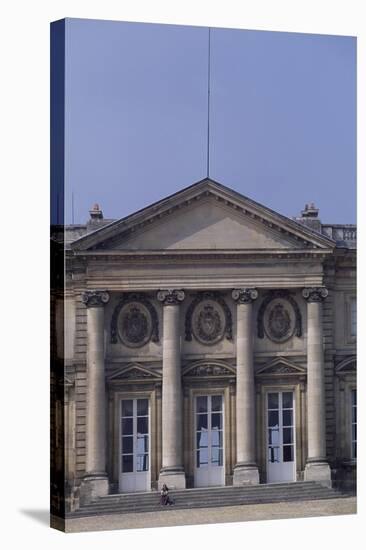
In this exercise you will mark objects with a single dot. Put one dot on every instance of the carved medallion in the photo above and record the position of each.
(134, 320)
(279, 320)
(208, 318)
(277, 315)
(208, 322)
(134, 324)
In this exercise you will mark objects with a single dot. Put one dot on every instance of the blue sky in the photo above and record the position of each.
(282, 116)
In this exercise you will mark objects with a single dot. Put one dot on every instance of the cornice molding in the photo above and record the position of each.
(110, 234)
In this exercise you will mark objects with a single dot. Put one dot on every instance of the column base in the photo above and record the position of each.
(92, 487)
(246, 474)
(174, 478)
(318, 471)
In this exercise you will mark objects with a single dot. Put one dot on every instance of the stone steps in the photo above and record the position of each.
(207, 498)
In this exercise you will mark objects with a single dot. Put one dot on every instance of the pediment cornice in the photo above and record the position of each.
(134, 371)
(108, 236)
(280, 366)
(349, 364)
(209, 369)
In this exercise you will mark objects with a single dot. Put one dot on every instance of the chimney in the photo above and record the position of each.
(310, 211)
(95, 213)
(310, 217)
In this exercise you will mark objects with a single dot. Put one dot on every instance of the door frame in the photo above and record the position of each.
(148, 474)
(115, 443)
(277, 391)
(190, 394)
(194, 426)
(300, 435)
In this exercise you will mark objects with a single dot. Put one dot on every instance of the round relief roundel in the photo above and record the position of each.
(208, 322)
(134, 324)
(279, 320)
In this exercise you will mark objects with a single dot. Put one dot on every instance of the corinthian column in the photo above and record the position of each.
(95, 481)
(316, 468)
(246, 470)
(172, 471)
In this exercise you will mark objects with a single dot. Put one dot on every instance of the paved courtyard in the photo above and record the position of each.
(226, 514)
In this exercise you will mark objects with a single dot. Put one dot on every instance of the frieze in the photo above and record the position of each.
(134, 321)
(208, 319)
(281, 369)
(136, 374)
(279, 317)
(209, 370)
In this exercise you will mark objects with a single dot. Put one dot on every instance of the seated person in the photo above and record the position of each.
(164, 496)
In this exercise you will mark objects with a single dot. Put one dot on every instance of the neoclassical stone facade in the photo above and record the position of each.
(208, 341)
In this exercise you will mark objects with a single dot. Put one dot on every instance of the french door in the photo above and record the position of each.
(135, 446)
(280, 437)
(209, 441)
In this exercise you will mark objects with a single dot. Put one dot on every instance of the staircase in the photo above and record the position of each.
(207, 498)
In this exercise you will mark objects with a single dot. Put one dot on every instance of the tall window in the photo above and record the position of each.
(353, 317)
(354, 423)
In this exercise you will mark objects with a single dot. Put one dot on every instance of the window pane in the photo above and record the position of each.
(202, 458)
(201, 422)
(127, 407)
(127, 444)
(287, 418)
(127, 463)
(216, 438)
(273, 419)
(142, 425)
(287, 435)
(216, 421)
(216, 403)
(354, 450)
(354, 432)
(202, 439)
(202, 404)
(216, 457)
(353, 317)
(287, 400)
(274, 454)
(354, 414)
(142, 463)
(273, 400)
(142, 407)
(288, 453)
(127, 426)
(354, 397)
(142, 444)
(273, 437)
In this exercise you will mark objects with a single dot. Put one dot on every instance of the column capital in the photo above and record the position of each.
(244, 295)
(170, 297)
(95, 298)
(315, 294)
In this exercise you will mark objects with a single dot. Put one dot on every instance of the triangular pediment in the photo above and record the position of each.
(134, 372)
(205, 216)
(280, 366)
